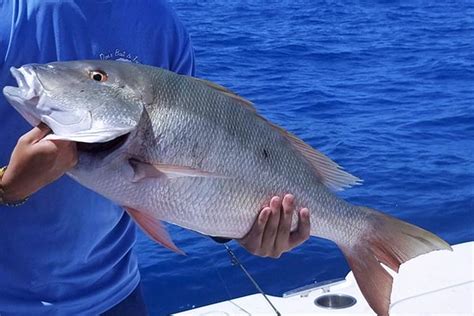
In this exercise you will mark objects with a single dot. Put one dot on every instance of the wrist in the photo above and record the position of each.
(8, 194)
(11, 197)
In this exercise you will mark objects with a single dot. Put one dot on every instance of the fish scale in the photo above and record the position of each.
(233, 166)
(190, 152)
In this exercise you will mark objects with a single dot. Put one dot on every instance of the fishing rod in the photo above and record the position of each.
(235, 261)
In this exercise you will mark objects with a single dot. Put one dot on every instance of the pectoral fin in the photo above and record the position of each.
(144, 170)
(153, 228)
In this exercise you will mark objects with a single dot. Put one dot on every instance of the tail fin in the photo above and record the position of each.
(389, 241)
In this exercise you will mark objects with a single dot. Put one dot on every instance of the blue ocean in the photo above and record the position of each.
(384, 88)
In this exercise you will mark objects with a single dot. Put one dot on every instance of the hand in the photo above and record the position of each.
(270, 235)
(36, 162)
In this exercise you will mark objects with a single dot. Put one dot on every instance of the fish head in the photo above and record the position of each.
(82, 101)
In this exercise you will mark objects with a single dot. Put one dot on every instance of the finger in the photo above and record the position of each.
(37, 133)
(270, 232)
(253, 240)
(284, 227)
(304, 228)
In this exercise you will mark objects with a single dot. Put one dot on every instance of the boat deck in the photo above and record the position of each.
(440, 282)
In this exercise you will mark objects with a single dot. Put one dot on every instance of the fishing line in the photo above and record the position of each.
(235, 261)
(222, 281)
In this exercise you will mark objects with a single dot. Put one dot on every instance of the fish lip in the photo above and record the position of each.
(19, 77)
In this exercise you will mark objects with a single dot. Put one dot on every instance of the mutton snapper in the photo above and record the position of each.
(190, 152)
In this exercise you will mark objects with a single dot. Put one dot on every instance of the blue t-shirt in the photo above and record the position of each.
(68, 250)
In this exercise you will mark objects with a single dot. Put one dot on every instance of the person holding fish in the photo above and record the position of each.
(67, 250)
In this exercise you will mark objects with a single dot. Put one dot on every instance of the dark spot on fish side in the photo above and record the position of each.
(194, 150)
(82, 90)
(197, 155)
(265, 153)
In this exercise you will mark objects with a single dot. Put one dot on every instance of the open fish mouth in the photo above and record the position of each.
(27, 95)
(29, 85)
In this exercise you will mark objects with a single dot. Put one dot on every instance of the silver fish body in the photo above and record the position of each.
(249, 162)
(192, 153)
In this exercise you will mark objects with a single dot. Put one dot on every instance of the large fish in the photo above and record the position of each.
(190, 152)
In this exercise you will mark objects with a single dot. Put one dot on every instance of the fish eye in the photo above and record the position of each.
(98, 75)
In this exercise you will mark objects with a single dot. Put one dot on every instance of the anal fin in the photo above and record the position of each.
(374, 281)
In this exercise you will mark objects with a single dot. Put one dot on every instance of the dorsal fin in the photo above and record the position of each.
(330, 173)
(228, 93)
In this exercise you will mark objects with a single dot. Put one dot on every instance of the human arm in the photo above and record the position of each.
(36, 162)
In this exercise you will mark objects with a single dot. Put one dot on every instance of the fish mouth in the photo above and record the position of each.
(103, 148)
(29, 87)
(27, 95)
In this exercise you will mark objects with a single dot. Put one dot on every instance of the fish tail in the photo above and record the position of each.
(389, 241)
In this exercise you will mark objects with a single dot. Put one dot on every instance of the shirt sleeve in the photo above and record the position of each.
(182, 61)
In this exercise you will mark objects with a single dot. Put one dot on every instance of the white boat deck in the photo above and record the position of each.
(440, 283)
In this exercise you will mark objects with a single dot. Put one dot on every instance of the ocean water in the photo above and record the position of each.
(385, 88)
